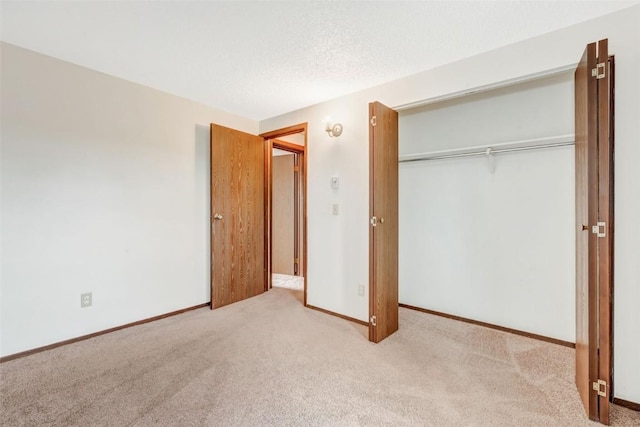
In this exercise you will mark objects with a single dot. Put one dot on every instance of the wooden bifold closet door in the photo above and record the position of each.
(594, 227)
(383, 227)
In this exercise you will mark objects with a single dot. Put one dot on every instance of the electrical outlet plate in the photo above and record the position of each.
(86, 300)
(336, 209)
(360, 290)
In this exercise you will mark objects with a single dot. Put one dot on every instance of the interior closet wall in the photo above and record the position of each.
(498, 246)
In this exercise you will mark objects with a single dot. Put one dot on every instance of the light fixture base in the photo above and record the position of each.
(335, 130)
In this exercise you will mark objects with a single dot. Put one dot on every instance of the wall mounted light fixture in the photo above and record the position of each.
(334, 130)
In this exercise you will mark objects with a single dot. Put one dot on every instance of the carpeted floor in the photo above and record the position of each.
(287, 281)
(270, 361)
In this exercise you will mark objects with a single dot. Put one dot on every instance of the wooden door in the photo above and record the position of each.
(594, 216)
(283, 241)
(383, 228)
(237, 216)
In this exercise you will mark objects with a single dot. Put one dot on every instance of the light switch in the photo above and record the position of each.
(335, 182)
(336, 209)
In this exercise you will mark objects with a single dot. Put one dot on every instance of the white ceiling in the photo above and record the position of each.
(260, 59)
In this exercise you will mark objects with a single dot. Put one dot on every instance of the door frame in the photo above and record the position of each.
(271, 142)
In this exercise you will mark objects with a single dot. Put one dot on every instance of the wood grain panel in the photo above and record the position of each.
(612, 85)
(237, 193)
(97, 334)
(586, 216)
(283, 220)
(627, 404)
(268, 172)
(594, 205)
(383, 238)
(342, 316)
(605, 244)
(491, 326)
(299, 213)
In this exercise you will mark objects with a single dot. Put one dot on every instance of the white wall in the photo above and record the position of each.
(338, 245)
(104, 190)
(492, 246)
(534, 109)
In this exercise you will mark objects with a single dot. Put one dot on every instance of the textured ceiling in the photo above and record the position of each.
(261, 59)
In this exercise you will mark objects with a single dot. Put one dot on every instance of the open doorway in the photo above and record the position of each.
(286, 209)
(286, 217)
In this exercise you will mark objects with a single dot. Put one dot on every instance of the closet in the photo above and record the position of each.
(486, 207)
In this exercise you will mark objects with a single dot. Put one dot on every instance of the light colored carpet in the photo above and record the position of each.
(270, 361)
(287, 282)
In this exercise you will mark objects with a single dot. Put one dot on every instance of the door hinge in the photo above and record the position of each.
(373, 121)
(599, 71)
(596, 229)
(601, 387)
(296, 169)
(374, 321)
(373, 221)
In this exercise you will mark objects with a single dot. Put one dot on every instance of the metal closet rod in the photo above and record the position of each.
(533, 144)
